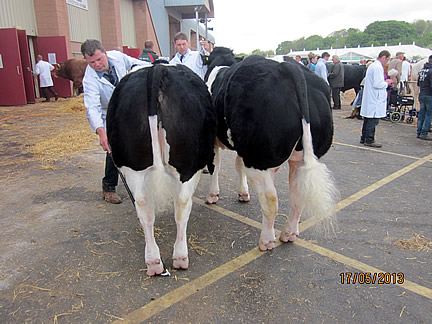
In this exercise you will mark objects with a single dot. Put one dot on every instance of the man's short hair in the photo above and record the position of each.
(430, 59)
(336, 57)
(90, 46)
(325, 54)
(148, 44)
(180, 35)
(384, 53)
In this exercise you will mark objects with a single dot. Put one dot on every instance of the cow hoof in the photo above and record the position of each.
(154, 267)
(181, 263)
(212, 198)
(244, 197)
(266, 246)
(288, 237)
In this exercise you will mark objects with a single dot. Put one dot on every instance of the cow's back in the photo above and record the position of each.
(263, 113)
(184, 111)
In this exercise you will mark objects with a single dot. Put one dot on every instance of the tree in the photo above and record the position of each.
(390, 32)
(284, 47)
(313, 42)
(378, 33)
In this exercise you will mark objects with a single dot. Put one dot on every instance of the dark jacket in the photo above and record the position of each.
(336, 75)
(425, 80)
(148, 55)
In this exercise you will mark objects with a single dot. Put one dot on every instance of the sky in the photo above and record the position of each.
(246, 25)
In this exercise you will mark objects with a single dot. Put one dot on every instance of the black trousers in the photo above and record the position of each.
(336, 98)
(110, 181)
(46, 94)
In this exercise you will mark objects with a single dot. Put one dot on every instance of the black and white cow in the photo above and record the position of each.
(161, 127)
(270, 113)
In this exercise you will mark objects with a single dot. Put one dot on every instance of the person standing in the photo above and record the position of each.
(336, 79)
(321, 68)
(396, 64)
(298, 59)
(425, 98)
(405, 75)
(148, 53)
(43, 69)
(192, 59)
(104, 71)
(374, 102)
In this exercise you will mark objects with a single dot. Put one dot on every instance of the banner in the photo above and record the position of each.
(78, 3)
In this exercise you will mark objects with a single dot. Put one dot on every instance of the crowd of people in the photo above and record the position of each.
(372, 102)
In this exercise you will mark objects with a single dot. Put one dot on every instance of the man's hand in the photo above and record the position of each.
(103, 139)
(206, 45)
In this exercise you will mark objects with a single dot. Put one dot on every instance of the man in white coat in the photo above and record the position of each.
(374, 102)
(43, 69)
(192, 59)
(104, 71)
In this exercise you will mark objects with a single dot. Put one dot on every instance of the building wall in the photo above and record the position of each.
(18, 14)
(128, 23)
(160, 24)
(115, 22)
(83, 24)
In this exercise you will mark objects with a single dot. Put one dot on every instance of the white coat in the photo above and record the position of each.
(193, 60)
(374, 102)
(98, 90)
(43, 69)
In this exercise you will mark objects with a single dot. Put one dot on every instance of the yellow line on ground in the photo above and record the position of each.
(376, 150)
(360, 194)
(191, 288)
(214, 275)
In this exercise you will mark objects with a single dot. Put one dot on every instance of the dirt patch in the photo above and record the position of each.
(416, 243)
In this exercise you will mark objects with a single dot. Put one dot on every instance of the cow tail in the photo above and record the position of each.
(160, 184)
(316, 192)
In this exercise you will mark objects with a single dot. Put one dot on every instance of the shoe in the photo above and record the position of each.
(361, 141)
(425, 137)
(373, 144)
(46, 100)
(56, 98)
(112, 197)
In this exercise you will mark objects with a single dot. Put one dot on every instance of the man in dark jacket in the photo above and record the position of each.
(148, 54)
(336, 80)
(425, 98)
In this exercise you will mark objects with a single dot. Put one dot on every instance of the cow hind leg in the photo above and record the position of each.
(183, 206)
(213, 195)
(267, 196)
(145, 205)
(146, 215)
(242, 188)
(291, 227)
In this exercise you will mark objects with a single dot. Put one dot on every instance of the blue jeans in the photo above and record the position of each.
(424, 115)
(368, 129)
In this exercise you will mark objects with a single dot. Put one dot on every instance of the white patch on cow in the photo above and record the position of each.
(213, 75)
(139, 67)
(230, 138)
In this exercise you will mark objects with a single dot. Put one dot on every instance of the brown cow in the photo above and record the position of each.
(73, 70)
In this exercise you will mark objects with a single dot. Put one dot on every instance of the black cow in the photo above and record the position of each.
(353, 76)
(161, 127)
(269, 113)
